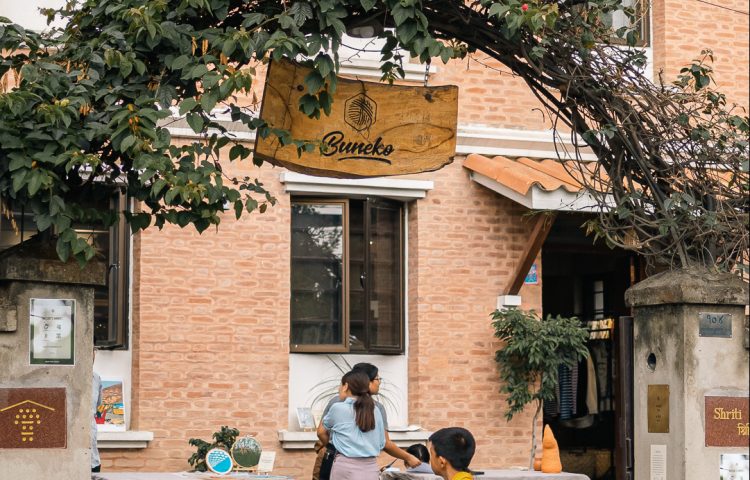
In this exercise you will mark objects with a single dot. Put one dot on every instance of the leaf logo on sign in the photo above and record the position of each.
(360, 112)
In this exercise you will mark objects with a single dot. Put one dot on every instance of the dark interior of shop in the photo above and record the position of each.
(586, 279)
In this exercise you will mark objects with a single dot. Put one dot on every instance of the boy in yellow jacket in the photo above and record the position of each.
(451, 451)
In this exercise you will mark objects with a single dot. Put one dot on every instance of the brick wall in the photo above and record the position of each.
(683, 28)
(211, 330)
(211, 311)
(211, 325)
(465, 243)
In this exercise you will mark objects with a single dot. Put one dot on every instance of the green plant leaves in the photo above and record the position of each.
(532, 352)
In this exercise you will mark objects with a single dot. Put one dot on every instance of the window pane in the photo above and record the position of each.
(357, 277)
(102, 325)
(384, 276)
(317, 274)
(110, 301)
(619, 19)
(16, 228)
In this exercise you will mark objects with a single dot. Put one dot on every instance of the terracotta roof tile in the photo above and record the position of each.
(521, 174)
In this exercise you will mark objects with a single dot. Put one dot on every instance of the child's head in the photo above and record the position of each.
(451, 447)
(419, 451)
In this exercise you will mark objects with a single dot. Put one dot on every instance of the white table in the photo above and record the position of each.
(182, 476)
(492, 475)
(488, 475)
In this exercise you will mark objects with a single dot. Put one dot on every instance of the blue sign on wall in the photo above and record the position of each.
(532, 278)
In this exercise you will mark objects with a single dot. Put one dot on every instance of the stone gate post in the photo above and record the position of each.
(690, 374)
(46, 360)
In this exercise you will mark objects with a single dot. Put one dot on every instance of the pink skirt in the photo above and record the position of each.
(346, 468)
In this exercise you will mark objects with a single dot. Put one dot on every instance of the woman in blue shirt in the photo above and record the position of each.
(355, 427)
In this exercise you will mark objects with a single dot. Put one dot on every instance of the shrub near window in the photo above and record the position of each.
(530, 356)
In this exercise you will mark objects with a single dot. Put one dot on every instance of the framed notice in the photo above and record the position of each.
(305, 419)
(265, 464)
(734, 466)
(51, 331)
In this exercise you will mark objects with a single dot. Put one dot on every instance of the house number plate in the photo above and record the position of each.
(715, 325)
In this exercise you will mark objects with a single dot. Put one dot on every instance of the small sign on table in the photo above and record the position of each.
(267, 459)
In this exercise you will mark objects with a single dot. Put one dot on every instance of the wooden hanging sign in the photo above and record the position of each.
(373, 130)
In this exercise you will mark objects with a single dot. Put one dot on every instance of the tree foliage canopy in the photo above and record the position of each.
(89, 110)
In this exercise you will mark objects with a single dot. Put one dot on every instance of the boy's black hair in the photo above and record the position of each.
(369, 369)
(419, 451)
(456, 445)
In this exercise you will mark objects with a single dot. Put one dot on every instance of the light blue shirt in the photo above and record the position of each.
(346, 436)
(96, 400)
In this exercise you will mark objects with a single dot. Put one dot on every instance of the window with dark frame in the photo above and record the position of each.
(639, 26)
(111, 309)
(347, 276)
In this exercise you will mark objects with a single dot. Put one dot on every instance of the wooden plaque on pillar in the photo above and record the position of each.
(658, 409)
(373, 129)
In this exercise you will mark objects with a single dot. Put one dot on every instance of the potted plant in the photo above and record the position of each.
(533, 349)
(224, 438)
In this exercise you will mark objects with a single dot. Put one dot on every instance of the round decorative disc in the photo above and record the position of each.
(246, 452)
(219, 461)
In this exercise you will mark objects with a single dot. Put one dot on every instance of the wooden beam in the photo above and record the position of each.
(539, 233)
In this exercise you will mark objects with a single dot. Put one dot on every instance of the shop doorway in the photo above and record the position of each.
(592, 415)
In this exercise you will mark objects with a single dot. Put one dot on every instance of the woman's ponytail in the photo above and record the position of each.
(364, 406)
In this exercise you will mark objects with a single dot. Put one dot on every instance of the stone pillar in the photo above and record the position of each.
(45, 408)
(688, 363)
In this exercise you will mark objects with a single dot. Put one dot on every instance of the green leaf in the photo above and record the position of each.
(498, 10)
(56, 205)
(228, 47)
(314, 81)
(208, 101)
(138, 221)
(187, 105)
(197, 71)
(34, 182)
(324, 65)
(43, 221)
(235, 152)
(195, 120)
(18, 162)
(125, 67)
(63, 249)
(180, 62)
(127, 142)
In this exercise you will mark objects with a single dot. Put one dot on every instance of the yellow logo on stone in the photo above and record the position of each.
(27, 417)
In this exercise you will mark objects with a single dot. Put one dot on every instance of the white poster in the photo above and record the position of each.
(734, 466)
(51, 331)
(658, 462)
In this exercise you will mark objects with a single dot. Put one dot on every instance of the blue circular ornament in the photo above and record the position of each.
(219, 461)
